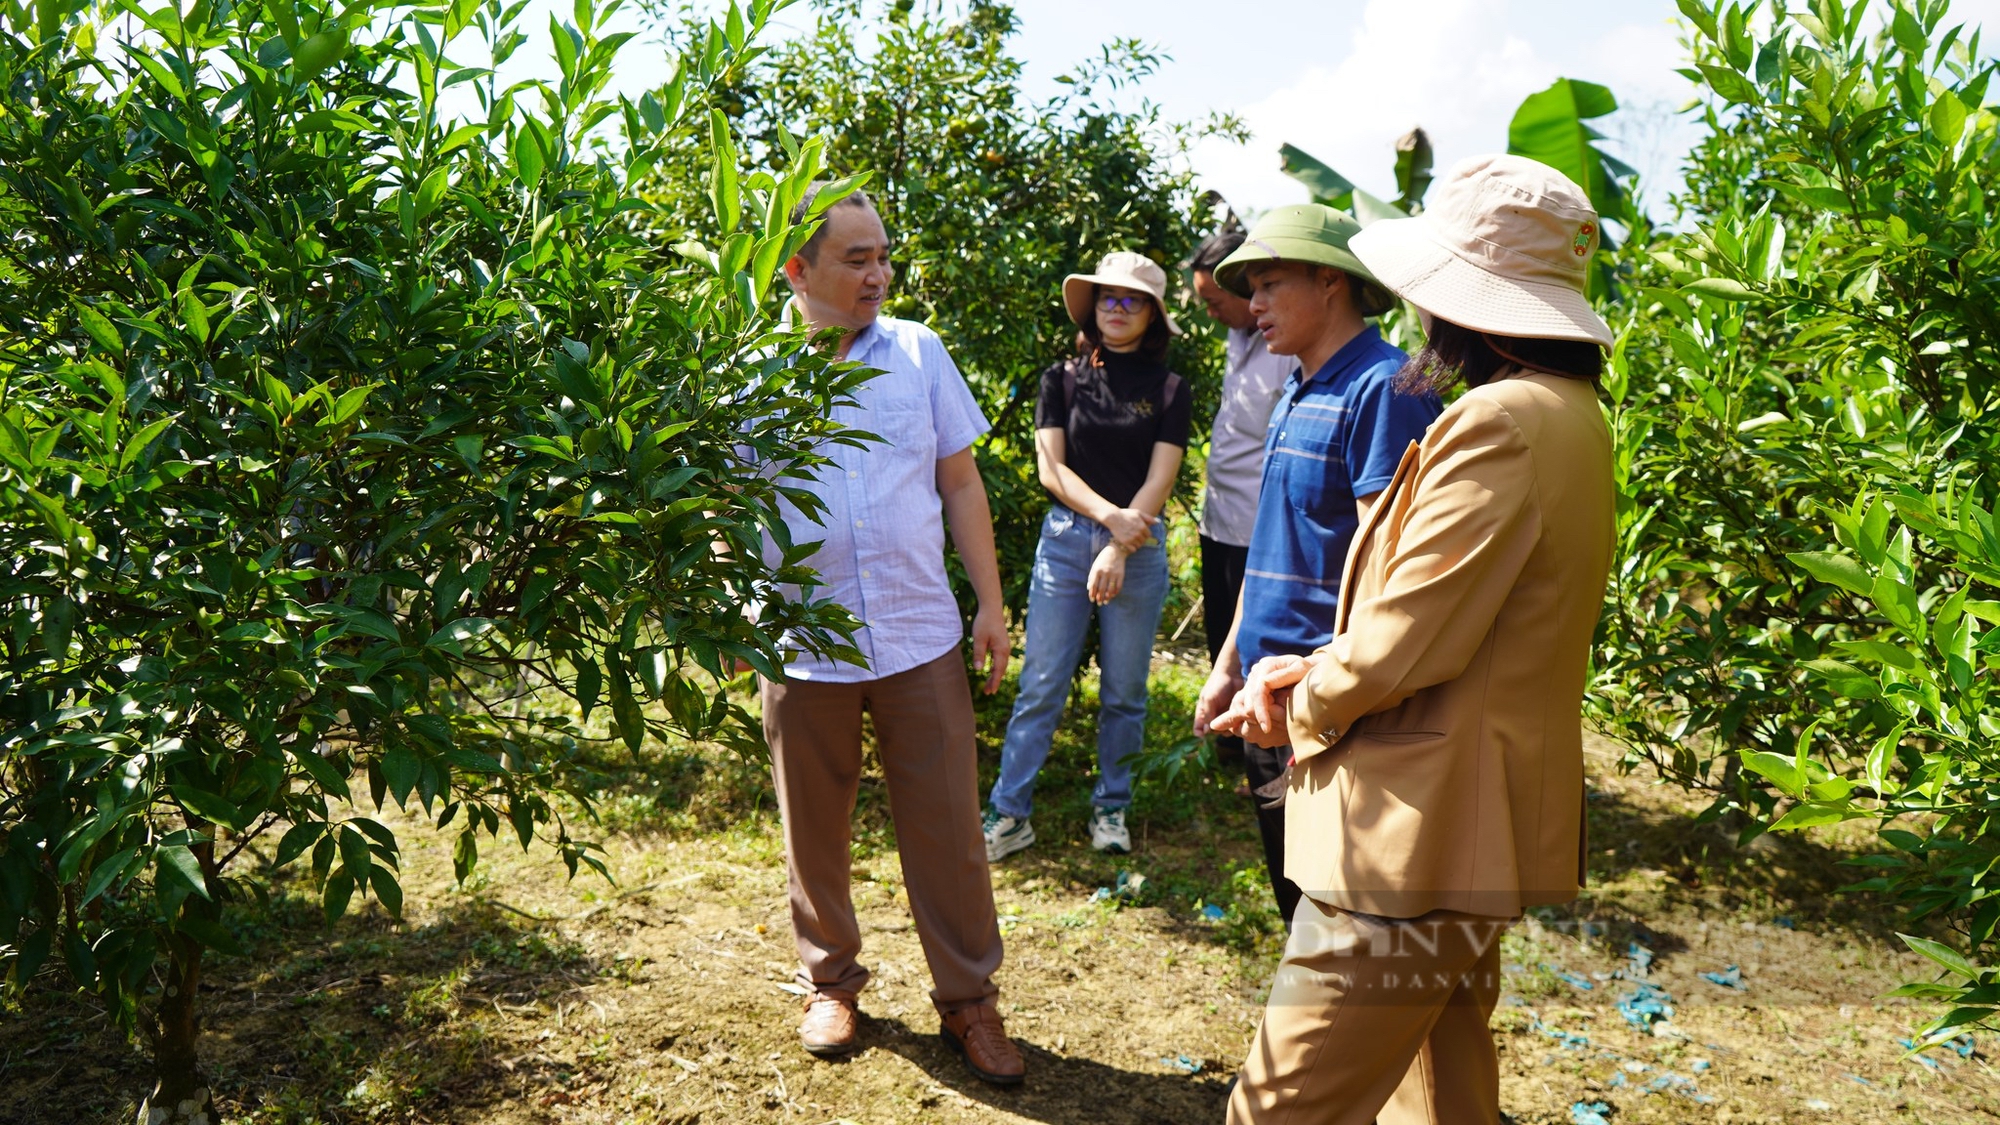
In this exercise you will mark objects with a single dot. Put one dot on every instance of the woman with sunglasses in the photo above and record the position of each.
(1110, 428)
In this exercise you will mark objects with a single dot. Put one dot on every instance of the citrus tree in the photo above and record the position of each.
(1804, 410)
(339, 438)
(990, 196)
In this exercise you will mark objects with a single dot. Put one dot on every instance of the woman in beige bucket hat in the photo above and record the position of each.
(1111, 425)
(1436, 789)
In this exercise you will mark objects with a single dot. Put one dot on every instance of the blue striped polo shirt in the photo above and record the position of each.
(1335, 436)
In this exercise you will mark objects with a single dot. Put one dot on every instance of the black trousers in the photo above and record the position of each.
(1221, 580)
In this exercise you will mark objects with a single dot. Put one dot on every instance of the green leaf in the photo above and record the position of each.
(333, 900)
(453, 635)
(177, 864)
(142, 439)
(589, 682)
(725, 195)
(1880, 758)
(210, 807)
(100, 329)
(388, 891)
(529, 159)
(1893, 655)
(322, 771)
(1731, 84)
(1947, 118)
(1908, 33)
(354, 853)
(1781, 771)
(107, 871)
(1550, 126)
(296, 840)
(400, 768)
(1953, 961)
(1835, 569)
(1721, 288)
(1898, 602)
(194, 316)
(1844, 678)
(1813, 814)
(1327, 186)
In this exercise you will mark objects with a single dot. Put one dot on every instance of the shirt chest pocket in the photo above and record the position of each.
(904, 425)
(897, 409)
(1316, 481)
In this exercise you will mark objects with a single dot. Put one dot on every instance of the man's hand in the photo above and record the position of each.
(1107, 575)
(1258, 713)
(991, 646)
(1129, 528)
(1221, 688)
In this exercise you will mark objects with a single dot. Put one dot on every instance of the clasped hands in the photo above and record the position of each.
(1253, 708)
(1130, 530)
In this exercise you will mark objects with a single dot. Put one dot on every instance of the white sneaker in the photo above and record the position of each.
(1107, 831)
(1005, 835)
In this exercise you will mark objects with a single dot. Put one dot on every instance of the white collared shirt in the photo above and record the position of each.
(881, 546)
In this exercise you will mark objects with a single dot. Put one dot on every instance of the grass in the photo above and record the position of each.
(522, 997)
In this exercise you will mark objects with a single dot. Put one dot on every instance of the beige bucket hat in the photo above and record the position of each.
(1503, 246)
(1121, 268)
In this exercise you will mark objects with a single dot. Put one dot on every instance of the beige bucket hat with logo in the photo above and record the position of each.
(1122, 268)
(1503, 246)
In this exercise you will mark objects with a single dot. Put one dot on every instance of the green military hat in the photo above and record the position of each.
(1307, 232)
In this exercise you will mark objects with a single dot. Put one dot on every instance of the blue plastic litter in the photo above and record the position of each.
(1590, 1113)
(1700, 1065)
(1964, 1046)
(1212, 912)
(1731, 978)
(1641, 961)
(1127, 887)
(1645, 1006)
(1858, 1078)
(1617, 1082)
(1570, 1040)
(1679, 1084)
(1785, 921)
(1574, 980)
(1181, 1063)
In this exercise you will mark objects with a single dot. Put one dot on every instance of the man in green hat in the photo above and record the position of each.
(1339, 429)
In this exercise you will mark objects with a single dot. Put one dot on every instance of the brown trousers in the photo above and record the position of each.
(924, 735)
(1378, 1016)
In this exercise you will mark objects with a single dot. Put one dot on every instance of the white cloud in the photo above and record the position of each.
(1459, 68)
(1451, 66)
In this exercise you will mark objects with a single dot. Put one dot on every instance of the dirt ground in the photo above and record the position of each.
(667, 1000)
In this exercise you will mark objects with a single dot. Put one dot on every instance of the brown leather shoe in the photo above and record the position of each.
(831, 1024)
(974, 1031)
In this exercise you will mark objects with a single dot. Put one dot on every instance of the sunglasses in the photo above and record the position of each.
(1122, 304)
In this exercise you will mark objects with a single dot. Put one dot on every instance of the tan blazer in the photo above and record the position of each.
(1439, 742)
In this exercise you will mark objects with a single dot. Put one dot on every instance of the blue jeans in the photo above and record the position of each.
(1059, 612)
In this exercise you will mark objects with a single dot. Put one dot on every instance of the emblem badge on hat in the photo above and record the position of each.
(1582, 243)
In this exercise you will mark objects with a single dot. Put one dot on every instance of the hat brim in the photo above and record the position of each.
(1076, 298)
(1233, 272)
(1404, 257)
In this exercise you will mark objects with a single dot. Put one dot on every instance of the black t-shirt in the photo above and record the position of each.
(1110, 430)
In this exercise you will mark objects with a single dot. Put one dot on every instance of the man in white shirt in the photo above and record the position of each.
(1250, 390)
(880, 554)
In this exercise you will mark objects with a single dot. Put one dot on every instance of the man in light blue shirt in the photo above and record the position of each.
(880, 554)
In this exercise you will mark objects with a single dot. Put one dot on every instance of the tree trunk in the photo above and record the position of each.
(180, 1096)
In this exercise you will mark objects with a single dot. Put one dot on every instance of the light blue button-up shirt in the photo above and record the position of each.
(881, 547)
